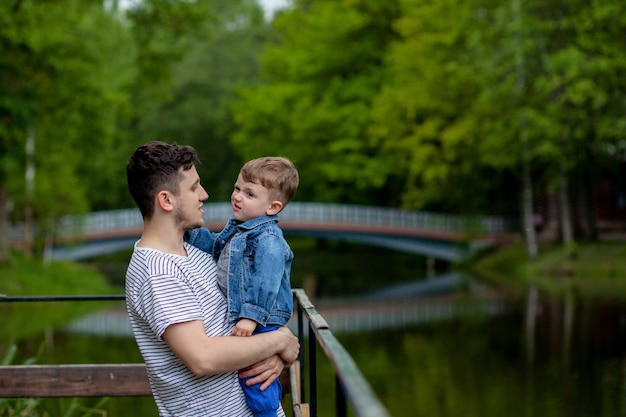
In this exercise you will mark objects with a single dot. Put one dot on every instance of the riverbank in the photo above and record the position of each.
(25, 276)
(596, 269)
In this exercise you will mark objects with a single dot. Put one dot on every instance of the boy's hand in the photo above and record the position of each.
(244, 327)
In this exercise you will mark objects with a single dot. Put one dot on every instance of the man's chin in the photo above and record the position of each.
(190, 226)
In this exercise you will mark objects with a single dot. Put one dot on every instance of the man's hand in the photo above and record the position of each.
(265, 371)
(244, 327)
(290, 352)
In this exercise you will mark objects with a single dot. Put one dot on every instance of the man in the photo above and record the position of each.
(176, 310)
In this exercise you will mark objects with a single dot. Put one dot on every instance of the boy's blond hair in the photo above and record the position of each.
(275, 173)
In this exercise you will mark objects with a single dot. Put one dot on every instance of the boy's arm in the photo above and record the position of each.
(244, 327)
(201, 237)
(206, 355)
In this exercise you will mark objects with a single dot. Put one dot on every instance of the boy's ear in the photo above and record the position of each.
(275, 207)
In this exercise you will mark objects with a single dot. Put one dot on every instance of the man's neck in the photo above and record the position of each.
(163, 237)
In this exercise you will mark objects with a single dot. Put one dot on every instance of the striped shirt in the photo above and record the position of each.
(163, 289)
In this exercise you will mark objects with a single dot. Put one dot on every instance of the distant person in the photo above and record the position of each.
(176, 310)
(254, 260)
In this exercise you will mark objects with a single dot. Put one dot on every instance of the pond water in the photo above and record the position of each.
(540, 355)
(549, 357)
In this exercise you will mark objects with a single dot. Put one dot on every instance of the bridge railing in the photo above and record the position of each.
(391, 217)
(97, 380)
(320, 213)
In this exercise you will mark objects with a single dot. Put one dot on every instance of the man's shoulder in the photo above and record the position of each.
(147, 261)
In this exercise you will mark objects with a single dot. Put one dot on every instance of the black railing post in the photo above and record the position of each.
(340, 398)
(301, 353)
(313, 370)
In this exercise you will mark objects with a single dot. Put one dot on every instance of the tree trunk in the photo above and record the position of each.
(4, 226)
(588, 209)
(567, 234)
(528, 215)
(29, 180)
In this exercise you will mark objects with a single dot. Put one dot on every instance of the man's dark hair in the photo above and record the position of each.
(154, 167)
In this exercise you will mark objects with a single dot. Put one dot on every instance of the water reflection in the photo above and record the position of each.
(543, 356)
(530, 322)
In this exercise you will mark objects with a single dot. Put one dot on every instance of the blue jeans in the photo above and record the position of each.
(263, 403)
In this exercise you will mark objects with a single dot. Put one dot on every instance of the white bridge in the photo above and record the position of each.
(436, 235)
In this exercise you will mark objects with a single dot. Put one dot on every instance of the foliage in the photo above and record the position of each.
(161, 32)
(429, 106)
(58, 90)
(313, 105)
(217, 61)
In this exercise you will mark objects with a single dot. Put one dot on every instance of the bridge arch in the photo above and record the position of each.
(440, 236)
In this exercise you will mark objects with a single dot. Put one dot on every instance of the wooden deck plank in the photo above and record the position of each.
(108, 380)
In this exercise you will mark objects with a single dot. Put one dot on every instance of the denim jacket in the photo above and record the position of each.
(259, 268)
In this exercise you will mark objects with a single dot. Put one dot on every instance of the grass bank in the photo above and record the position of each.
(25, 276)
(595, 269)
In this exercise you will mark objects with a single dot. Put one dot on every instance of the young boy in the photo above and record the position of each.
(254, 259)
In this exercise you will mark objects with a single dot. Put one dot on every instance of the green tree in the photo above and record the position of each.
(55, 91)
(162, 32)
(480, 91)
(427, 113)
(219, 60)
(77, 79)
(579, 93)
(314, 101)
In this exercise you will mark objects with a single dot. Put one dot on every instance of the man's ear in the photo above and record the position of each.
(164, 200)
(275, 207)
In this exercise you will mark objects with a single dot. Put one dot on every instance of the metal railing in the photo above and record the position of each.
(311, 330)
(350, 383)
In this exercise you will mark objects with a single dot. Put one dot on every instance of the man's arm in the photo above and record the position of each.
(205, 355)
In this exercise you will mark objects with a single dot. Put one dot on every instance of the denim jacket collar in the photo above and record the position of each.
(252, 223)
